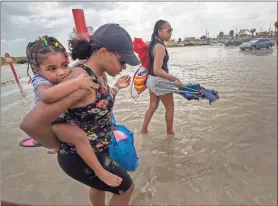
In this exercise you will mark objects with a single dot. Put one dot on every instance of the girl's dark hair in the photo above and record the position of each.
(36, 51)
(81, 48)
(157, 26)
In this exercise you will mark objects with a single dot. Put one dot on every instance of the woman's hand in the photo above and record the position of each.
(123, 82)
(178, 83)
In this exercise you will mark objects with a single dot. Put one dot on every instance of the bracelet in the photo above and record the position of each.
(115, 88)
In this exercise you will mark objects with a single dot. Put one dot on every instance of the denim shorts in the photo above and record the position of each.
(152, 84)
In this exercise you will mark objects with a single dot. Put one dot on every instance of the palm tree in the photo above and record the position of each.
(231, 33)
(252, 31)
(221, 34)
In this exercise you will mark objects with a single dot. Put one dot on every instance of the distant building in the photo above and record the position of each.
(225, 36)
(243, 33)
(263, 34)
(190, 39)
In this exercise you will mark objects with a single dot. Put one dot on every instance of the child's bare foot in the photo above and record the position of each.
(52, 151)
(170, 133)
(144, 131)
(110, 179)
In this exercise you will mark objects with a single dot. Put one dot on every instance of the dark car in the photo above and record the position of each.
(232, 43)
(22, 61)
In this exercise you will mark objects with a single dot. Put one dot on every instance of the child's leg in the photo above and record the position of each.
(76, 136)
(69, 133)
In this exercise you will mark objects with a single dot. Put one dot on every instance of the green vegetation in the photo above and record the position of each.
(15, 59)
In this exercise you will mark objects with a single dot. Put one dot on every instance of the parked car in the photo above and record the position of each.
(188, 44)
(258, 43)
(22, 61)
(232, 43)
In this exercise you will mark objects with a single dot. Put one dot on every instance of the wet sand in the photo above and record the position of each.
(225, 153)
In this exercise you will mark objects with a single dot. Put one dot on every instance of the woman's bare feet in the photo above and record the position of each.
(144, 131)
(170, 133)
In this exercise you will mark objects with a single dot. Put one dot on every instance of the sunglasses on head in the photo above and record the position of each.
(169, 31)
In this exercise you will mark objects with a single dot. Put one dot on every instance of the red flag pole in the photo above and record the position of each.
(80, 23)
(9, 60)
(14, 72)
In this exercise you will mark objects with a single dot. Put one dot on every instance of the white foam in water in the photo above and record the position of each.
(24, 86)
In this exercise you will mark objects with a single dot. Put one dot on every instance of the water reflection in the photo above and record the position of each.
(223, 154)
(261, 52)
(21, 90)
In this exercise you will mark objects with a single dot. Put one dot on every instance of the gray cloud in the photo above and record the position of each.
(25, 21)
(16, 9)
(98, 6)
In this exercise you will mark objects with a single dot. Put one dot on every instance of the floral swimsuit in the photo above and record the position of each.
(94, 119)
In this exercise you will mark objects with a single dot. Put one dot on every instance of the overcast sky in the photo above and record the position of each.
(22, 22)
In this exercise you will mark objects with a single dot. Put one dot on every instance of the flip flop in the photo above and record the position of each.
(29, 142)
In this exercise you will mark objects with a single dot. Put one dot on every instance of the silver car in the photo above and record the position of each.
(258, 43)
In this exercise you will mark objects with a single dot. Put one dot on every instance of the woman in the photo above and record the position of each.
(158, 71)
(108, 52)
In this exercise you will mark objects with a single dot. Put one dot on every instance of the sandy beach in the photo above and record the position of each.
(223, 154)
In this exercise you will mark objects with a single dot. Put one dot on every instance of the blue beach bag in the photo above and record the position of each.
(122, 148)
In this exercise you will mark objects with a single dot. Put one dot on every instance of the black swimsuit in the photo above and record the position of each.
(95, 120)
(165, 59)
